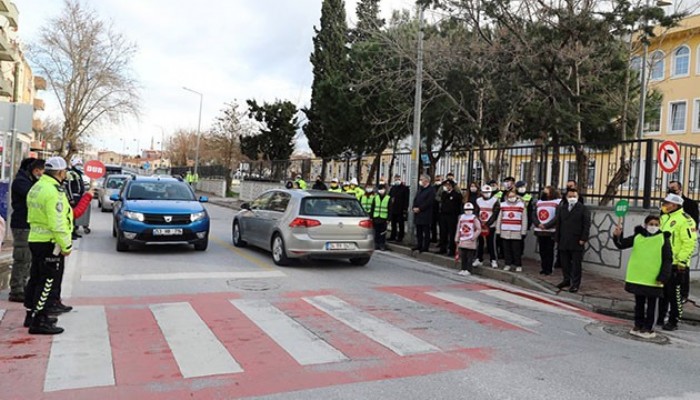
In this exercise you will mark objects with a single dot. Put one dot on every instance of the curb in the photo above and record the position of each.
(612, 307)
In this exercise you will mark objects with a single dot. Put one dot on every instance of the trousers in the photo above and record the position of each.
(571, 266)
(644, 311)
(546, 244)
(21, 260)
(671, 302)
(46, 268)
(490, 243)
(513, 250)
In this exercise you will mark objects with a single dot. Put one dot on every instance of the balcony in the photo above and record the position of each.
(7, 49)
(5, 88)
(9, 10)
(40, 83)
(38, 125)
(39, 105)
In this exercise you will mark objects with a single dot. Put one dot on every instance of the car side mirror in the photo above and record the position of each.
(114, 197)
(203, 199)
(245, 206)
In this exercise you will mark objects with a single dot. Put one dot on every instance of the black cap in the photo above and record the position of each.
(520, 184)
(492, 182)
(510, 178)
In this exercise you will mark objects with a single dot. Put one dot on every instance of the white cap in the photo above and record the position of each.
(468, 206)
(346, 183)
(674, 199)
(76, 161)
(56, 164)
(486, 189)
(353, 181)
(334, 180)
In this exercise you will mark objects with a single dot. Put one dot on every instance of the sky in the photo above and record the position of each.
(227, 50)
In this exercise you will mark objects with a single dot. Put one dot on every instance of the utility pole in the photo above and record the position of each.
(199, 128)
(417, 109)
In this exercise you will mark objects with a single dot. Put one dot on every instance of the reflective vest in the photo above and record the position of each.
(645, 261)
(512, 216)
(465, 228)
(301, 183)
(546, 211)
(381, 207)
(366, 202)
(486, 208)
(49, 213)
(527, 197)
(684, 236)
(358, 191)
(336, 189)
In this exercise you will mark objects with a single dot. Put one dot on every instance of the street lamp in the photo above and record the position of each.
(199, 128)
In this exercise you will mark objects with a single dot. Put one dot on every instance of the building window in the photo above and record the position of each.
(591, 174)
(696, 115)
(652, 120)
(636, 66)
(676, 118)
(657, 65)
(681, 61)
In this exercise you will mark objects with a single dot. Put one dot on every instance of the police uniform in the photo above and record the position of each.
(380, 217)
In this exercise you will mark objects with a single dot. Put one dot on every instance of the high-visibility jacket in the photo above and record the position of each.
(358, 191)
(381, 206)
(367, 202)
(527, 197)
(546, 211)
(49, 213)
(646, 260)
(195, 177)
(336, 189)
(301, 183)
(684, 236)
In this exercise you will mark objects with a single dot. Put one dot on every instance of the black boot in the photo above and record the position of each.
(58, 308)
(41, 326)
(28, 319)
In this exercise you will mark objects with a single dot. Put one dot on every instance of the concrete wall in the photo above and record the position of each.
(601, 254)
(249, 190)
(216, 187)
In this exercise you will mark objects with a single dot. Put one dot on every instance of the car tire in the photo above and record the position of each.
(121, 245)
(359, 261)
(279, 251)
(104, 210)
(114, 230)
(236, 236)
(201, 246)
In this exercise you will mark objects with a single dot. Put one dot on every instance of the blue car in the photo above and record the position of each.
(159, 210)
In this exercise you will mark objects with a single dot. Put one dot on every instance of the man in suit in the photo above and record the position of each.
(690, 207)
(573, 229)
(423, 213)
(398, 208)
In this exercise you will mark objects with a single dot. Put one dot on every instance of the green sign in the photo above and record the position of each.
(621, 208)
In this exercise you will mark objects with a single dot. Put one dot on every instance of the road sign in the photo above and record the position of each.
(669, 156)
(621, 208)
(94, 169)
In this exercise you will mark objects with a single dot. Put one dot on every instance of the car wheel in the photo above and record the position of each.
(359, 261)
(114, 230)
(279, 252)
(201, 246)
(103, 209)
(121, 245)
(236, 235)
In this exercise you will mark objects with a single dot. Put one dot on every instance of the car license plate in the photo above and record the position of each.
(341, 246)
(167, 232)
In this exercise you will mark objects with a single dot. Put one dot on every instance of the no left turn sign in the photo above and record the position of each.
(669, 156)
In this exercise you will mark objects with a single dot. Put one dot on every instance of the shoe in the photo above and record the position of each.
(415, 248)
(58, 308)
(41, 326)
(573, 289)
(684, 300)
(28, 319)
(644, 334)
(635, 331)
(543, 273)
(477, 263)
(563, 284)
(464, 272)
(518, 269)
(494, 264)
(670, 327)
(75, 236)
(16, 298)
(506, 268)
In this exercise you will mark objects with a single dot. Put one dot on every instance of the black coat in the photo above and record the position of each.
(424, 200)
(20, 188)
(451, 203)
(573, 226)
(319, 186)
(690, 207)
(400, 195)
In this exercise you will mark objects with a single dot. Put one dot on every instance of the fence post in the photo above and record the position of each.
(470, 168)
(544, 164)
(647, 173)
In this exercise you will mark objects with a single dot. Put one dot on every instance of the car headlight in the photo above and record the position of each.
(134, 215)
(198, 216)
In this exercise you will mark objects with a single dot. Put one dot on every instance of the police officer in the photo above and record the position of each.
(380, 217)
(301, 182)
(335, 188)
(683, 240)
(75, 187)
(51, 223)
(356, 190)
(367, 199)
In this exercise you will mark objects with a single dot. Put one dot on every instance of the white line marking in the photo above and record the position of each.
(303, 345)
(491, 311)
(183, 276)
(81, 357)
(2, 315)
(195, 347)
(71, 271)
(389, 336)
(529, 303)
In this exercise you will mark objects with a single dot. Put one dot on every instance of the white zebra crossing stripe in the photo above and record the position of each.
(196, 349)
(304, 346)
(81, 357)
(529, 303)
(483, 308)
(175, 276)
(389, 336)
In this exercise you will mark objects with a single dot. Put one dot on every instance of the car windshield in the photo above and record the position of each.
(331, 207)
(115, 183)
(160, 191)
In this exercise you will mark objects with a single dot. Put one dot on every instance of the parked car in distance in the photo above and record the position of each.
(157, 211)
(295, 224)
(112, 185)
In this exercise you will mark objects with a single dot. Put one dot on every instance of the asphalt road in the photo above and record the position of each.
(174, 323)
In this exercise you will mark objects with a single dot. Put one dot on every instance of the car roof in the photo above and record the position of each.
(299, 193)
(156, 179)
(118, 176)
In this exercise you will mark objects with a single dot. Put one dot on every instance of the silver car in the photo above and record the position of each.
(113, 184)
(306, 224)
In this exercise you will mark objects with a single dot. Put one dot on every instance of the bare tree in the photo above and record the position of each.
(224, 138)
(181, 147)
(88, 66)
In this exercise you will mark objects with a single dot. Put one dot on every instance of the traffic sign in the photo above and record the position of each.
(669, 156)
(621, 208)
(94, 169)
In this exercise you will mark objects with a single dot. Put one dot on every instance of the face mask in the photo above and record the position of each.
(652, 229)
(512, 199)
(369, 190)
(487, 195)
(468, 212)
(473, 190)
(572, 200)
(382, 192)
(521, 190)
(448, 190)
(494, 188)
(674, 191)
(397, 183)
(438, 183)
(318, 180)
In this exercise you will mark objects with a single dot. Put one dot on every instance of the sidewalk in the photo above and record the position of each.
(601, 293)
(228, 202)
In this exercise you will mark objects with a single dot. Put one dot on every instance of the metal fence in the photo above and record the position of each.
(538, 165)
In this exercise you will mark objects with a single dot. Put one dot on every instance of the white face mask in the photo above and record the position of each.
(572, 200)
(521, 190)
(512, 199)
(652, 229)
(397, 183)
(469, 212)
(369, 190)
(473, 190)
(487, 195)
(382, 191)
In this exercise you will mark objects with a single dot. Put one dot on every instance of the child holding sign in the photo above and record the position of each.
(648, 268)
(466, 238)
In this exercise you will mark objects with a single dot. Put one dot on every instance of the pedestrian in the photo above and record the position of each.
(690, 207)
(367, 199)
(319, 184)
(511, 226)
(75, 187)
(573, 230)
(473, 195)
(648, 268)
(347, 189)
(334, 187)
(423, 214)
(683, 241)
(521, 190)
(451, 177)
(30, 170)
(51, 223)
(450, 210)
(546, 213)
(295, 185)
(289, 185)
(434, 228)
(467, 237)
(573, 185)
(301, 183)
(508, 186)
(489, 209)
(355, 189)
(398, 209)
(380, 217)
